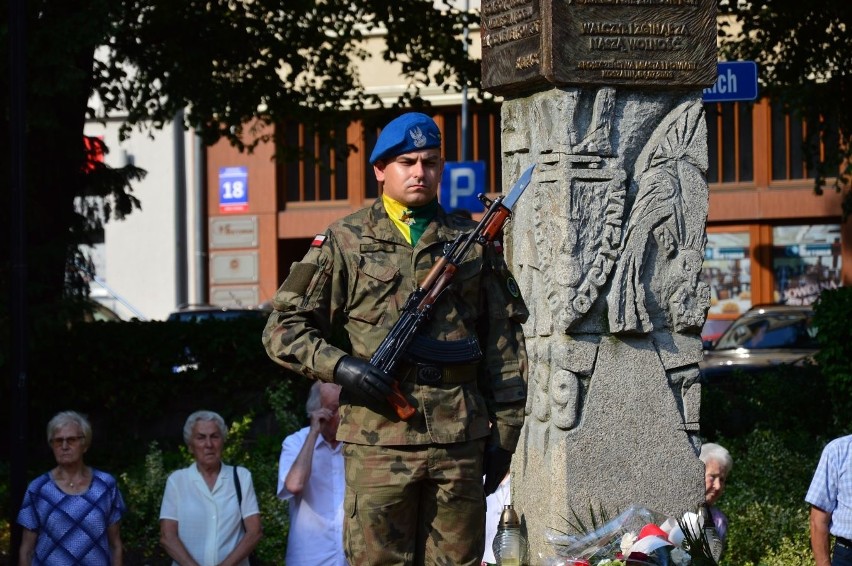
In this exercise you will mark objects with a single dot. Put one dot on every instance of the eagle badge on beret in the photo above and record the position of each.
(418, 137)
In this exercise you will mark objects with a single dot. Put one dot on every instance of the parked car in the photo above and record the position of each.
(713, 330)
(199, 313)
(762, 337)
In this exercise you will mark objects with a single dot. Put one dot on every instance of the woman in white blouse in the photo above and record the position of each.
(202, 522)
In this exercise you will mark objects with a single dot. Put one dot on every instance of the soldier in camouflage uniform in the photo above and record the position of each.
(415, 491)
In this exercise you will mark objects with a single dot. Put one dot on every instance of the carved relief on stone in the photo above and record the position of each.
(597, 140)
(562, 366)
(656, 281)
(576, 217)
(577, 203)
(538, 404)
(577, 238)
(594, 208)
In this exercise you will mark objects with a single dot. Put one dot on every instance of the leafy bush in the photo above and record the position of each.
(121, 375)
(831, 317)
(793, 399)
(764, 500)
(5, 532)
(142, 489)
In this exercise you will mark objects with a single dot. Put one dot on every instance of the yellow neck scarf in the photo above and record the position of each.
(410, 221)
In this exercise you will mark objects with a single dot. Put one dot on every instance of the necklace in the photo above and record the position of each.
(70, 482)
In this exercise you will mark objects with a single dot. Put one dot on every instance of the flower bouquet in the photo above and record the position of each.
(636, 537)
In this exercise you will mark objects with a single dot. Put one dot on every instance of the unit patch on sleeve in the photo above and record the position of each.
(512, 287)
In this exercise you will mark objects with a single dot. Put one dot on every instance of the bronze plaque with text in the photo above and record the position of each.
(664, 44)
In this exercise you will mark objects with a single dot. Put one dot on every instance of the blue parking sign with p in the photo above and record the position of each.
(461, 183)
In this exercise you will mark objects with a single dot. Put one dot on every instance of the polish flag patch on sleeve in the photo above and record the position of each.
(319, 240)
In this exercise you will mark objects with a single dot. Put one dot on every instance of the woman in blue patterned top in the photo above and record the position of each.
(71, 514)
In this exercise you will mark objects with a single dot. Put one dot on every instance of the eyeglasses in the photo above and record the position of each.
(59, 441)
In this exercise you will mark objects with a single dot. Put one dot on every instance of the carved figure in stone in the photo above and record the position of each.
(577, 204)
(597, 139)
(664, 239)
(540, 406)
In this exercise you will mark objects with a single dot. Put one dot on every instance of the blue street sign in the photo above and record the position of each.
(735, 80)
(462, 181)
(233, 189)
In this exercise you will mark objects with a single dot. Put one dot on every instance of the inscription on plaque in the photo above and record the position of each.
(530, 44)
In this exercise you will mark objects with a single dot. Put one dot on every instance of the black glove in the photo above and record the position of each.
(496, 465)
(362, 379)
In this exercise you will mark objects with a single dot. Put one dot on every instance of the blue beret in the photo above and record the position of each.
(412, 131)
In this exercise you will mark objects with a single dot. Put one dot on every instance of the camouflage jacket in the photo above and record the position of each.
(347, 293)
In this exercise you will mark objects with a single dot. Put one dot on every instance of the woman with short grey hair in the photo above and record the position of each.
(204, 416)
(71, 514)
(209, 488)
(64, 418)
(717, 465)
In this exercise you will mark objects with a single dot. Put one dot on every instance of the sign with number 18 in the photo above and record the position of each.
(233, 189)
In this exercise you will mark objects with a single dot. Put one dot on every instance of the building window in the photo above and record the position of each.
(727, 270)
(321, 175)
(371, 186)
(326, 179)
(799, 143)
(729, 142)
(805, 260)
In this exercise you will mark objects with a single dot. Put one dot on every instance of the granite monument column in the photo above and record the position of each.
(605, 97)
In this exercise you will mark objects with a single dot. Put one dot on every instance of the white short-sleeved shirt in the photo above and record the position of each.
(208, 520)
(831, 486)
(316, 517)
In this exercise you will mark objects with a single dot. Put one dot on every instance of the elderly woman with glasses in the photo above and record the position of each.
(71, 514)
(209, 515)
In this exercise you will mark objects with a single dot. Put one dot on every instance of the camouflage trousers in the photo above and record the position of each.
(414, 505)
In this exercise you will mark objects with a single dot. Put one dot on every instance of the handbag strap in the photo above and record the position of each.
(239, 495)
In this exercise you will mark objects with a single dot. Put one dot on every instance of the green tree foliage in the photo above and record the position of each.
(805, 60)
(234, 67)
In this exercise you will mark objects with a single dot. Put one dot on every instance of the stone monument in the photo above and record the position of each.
(607, 246)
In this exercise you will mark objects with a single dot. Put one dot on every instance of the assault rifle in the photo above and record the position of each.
(418, 307)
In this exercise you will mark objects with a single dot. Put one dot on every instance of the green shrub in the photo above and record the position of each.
(5, 532)
(831, 317)
(121, 375)
(142, 488)
(791, 551)
(792, 399)
(764, 499)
